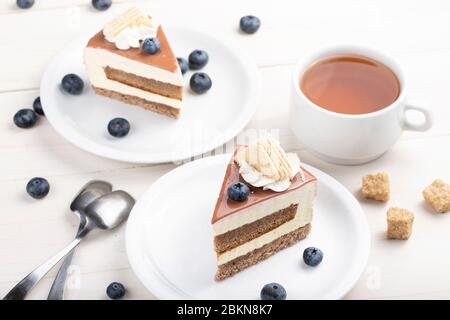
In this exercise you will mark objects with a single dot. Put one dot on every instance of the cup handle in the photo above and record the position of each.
(424, 126)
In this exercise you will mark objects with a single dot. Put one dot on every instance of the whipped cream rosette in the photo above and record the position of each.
(263, 163)
(127, 30)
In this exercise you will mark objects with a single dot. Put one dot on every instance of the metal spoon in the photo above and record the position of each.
(90, 192)
(107, 212)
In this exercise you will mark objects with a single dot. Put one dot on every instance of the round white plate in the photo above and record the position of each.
(207, 120)
(169, 241)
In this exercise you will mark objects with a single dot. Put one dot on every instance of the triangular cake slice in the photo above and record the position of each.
(247, 232)
(119, 68)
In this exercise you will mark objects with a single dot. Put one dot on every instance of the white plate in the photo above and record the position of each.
(169, 241)
(207, 120)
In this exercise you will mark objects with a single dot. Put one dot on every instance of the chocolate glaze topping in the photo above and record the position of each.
(164, 59)
(225, 207)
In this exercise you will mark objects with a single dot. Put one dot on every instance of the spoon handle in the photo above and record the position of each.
(58, 286)
(20, 291)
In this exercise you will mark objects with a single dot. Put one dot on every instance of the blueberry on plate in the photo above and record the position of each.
(312, 256)
(249, 24)
(25, 4)
(238, 192)
(37, 106)
(38, 188)
(118, 127)
(101, 5)
(25, 118)
(115, 290)
(151, 45)
(184, 65)
(198, 59)
(273, 291)
(200, 82)
(72, 84)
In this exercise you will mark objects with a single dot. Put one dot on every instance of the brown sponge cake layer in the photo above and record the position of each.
(149, 105)
(152, 85)
(234, 238)
(234, 266)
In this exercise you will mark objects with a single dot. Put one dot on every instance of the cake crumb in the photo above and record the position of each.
(376, 186)
(399, 223)
(437, 195)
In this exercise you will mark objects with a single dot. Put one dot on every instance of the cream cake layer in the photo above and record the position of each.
(234, 238)
(151, 85)
(259, 210)
(236, 265)
(303, 217)
(99, 79)
(102, 58)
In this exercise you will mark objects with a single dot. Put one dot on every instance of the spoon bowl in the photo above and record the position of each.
(88, 193)
(110, 210)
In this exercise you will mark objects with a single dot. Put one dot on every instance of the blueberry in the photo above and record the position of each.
(238, 192)
(184, 65)
(249, 24)
(115, 290)
(25, 4)
(118, 127)
(198, 59)
(273, 291)
(38, 188)
(200, 82)
(25, 118)
(312, 256)
(151, 45)
(72, 84)
(101, 5)
(37, 106)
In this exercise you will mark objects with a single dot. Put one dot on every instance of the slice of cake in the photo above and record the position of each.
(119, 68)
(265, 204)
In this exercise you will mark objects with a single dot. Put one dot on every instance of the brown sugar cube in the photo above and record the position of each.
(376, 187)
(399, 223)
(438, 195)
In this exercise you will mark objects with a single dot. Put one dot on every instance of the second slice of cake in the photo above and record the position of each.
(276, 213)
(119, 68)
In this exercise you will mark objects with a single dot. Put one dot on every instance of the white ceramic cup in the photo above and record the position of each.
(351, 139)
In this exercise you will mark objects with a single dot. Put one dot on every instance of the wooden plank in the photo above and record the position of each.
(286, 34)
(24, 219)
(412, 165)
(10, 7)
(41, 151)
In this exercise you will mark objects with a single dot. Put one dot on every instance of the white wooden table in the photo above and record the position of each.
(416, 32)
